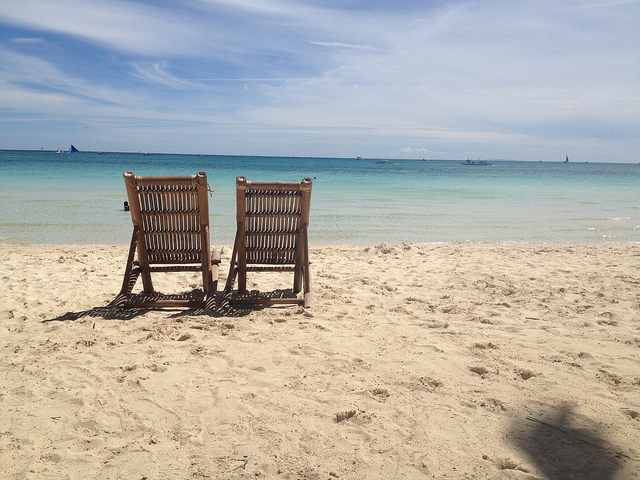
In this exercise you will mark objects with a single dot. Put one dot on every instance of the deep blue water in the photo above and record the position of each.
(77, 198)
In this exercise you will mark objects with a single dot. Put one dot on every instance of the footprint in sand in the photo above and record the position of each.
(608, 323)
(380, 392)
(526, 374)
(485, 346)
(430, 383)
(494, 404)
(610, 378)
(482, 371)
(157, 368)
(506, 464)
(342, 416)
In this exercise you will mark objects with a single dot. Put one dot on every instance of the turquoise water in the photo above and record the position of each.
(77, 198)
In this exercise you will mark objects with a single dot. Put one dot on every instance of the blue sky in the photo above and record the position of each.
(523, 80)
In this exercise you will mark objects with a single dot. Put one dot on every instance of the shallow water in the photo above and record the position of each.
(77, 198)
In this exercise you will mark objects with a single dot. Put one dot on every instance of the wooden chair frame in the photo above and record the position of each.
(271, 236)
(170, 216)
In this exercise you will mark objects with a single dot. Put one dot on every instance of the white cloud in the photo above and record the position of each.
(342, 45)
(158, 73)
(125, 26)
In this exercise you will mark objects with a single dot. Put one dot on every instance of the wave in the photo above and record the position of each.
(602, 219)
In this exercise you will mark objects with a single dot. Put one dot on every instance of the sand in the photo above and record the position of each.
(416, 361)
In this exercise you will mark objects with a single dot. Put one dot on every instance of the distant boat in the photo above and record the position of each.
(59, 151)
(358, 157)
(566, 159)
(479, 162)
(73, 149)
(383, 161)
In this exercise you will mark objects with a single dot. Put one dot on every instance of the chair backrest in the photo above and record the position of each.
(270, 218)
(172, 213)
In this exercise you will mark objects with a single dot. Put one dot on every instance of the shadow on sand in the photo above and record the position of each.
(223, 306)
(566, 445)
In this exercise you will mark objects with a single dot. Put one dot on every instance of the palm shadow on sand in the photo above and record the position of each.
(565, 445)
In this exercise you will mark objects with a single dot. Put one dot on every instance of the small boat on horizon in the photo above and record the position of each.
(383, 161)
(479, 162)
(73, 149)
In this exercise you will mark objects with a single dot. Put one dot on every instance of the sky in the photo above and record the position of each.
(520, 80)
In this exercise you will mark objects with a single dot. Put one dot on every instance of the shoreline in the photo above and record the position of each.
(438, 360)
(509, 243)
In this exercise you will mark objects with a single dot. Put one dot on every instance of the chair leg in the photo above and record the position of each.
(297, 277)
(299, 261)
(130, 273)
(231, 278)
(147, 283)
(129, 267)
(241, 273)
(308, 295)
(305, 273)
(308, 300)
(207, 281)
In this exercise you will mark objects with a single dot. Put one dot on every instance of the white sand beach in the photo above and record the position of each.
(415, 362)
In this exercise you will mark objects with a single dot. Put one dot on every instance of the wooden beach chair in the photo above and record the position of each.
(170, 218)
(271, 236)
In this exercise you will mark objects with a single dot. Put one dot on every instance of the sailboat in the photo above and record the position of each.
(566, 159)
(73, 149)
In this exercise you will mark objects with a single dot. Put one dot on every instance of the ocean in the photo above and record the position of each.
(77, 198)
